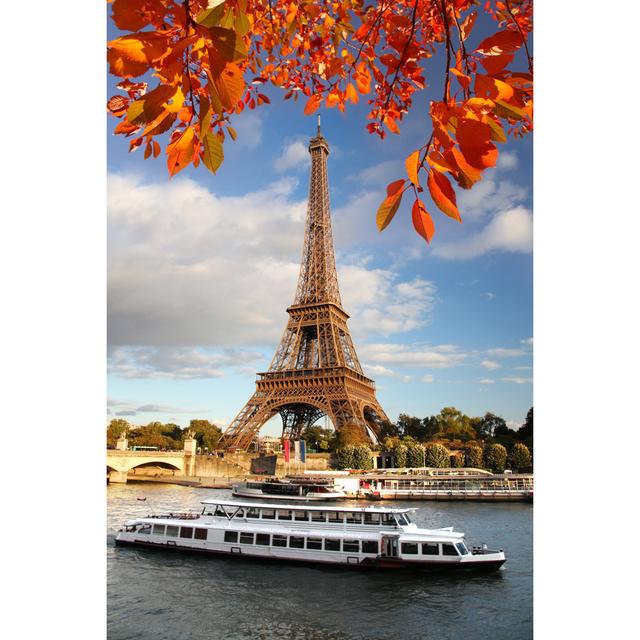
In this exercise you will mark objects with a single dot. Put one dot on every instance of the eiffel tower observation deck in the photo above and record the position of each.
(315, 370)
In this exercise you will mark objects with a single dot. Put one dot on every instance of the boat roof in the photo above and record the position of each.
(300, 507)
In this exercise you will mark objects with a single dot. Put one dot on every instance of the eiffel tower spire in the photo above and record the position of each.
(315, 370)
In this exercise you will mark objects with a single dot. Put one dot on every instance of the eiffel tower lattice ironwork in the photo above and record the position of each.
(315, 370)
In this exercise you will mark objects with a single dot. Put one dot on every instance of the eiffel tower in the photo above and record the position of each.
(315, 370)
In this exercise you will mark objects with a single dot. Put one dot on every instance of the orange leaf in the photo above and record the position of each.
(492, 88)
(412, 167)
(497, 132)
(133, 54)
(422, 221)
(507, 110)
(466, 175)
(229, 86)
(443, 194)
(352, 94)
(475, 143)
(180, 152)
(156, 149)
(312, 104)
(436, 160)
(394, 187)
(147, 150)
(495, 64)
(129, 15)
(500, 43)
(388, 208)
(463, 79)
(467, 25)
(391, 123)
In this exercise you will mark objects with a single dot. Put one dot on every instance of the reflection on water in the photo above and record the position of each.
(163, 595)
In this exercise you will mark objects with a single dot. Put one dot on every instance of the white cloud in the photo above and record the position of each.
(248, 126)
(486, 381)
(507, 161)
(510, 230)
(379, 174)
(490, 364)
(517, 380)
(187, 267)
(523, 368)
(428, 378)
(527, 341)
(501, 352)
(413, 355)
(295, 155)
(488, 197)
(177, 363)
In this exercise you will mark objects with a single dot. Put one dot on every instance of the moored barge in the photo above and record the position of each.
(355, 536)
(292, 488)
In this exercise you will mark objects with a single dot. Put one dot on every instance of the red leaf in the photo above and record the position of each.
(422, 221)
(500, 43)
(474, 138)
(394, 187)
(312, 104)
(443, 194)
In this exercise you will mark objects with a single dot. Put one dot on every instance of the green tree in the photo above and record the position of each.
(520, 456)
(411, 426)
(206, 433)
(456, 460)
(525, 432)
(400, 453)
(345, 457)
(415, 456)
(116, 428)
(495, 457)
(452, 424)
(436, 455)
(362, 457)
(430, 427)
(350, 434)
(318, 437)
(473, 457)
(488, 425)
(388, 430)
(157, 434)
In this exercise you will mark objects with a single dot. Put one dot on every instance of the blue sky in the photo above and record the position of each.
(202, 267)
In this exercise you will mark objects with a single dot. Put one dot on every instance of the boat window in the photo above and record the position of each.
(369, 546)
(410, 547)
(220, 512)
(336, 517)
(231, 536)
(372, 518)
(314, 543)
(388, 520)
(158, 529)
(318, 516)
(353, 546)
(186, 532)
(284, 515)
(402, 521)
(263, 539)
(253, 512)
(431, 549)
(331, 545)
(172, 531)
(449, 550)
(239, 513)
(408, 517)
(279, 541)
(200, 534)
(462, 548)
(300, 515)
(145, 528)
(354, 518)
(246, 538)
(296, 543)
(268, 514)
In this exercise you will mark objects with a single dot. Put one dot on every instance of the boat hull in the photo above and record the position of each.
(365, 563)
(316, 497)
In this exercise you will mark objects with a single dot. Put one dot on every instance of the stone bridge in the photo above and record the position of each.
(119, 463)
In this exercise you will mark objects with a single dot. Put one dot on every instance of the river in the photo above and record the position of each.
(157, 595)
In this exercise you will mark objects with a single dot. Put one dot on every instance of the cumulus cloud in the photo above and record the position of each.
(501, 352)
(507, 161)
(176, 363)
(378, 174)
(294, 156)
(187, 267)
(486, 381)
(428, 378)
(517, 380)
(527, 341)
(436, 357)
(490, 364)
(510, 230)
(249, 130)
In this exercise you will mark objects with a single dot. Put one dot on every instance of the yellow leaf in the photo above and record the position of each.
(507, 110)
(213, 153)
(497, 132)
(412, 167)
(388, 209)
(180, 152)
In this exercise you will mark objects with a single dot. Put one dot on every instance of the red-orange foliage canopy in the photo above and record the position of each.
(209, 59)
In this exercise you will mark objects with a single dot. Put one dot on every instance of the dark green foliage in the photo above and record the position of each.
(488, 425)
(520, 456)
(437, 455)
(345, 457)
(453, 424)
(415, 456)
(206, 433)
(362, 457)
(400, 452)
(495, 457)
(456, 460)
(525, 432)
(473, 457)
(318, 438)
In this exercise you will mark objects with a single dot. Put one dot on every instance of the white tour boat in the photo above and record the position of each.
(365, 536)
(293, 488)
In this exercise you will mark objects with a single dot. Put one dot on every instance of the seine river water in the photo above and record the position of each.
(159, 595)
